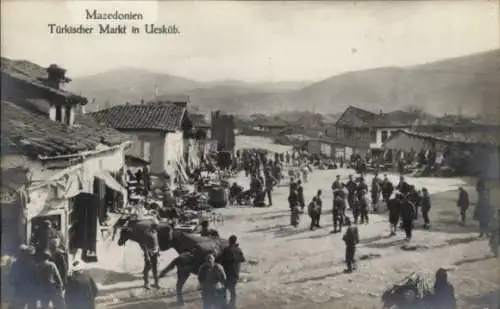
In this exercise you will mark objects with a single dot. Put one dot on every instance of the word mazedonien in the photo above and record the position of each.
(94, 14)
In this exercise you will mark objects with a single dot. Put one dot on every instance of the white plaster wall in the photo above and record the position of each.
(173, 150)
(155, 154)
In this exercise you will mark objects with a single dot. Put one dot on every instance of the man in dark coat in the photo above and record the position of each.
(394, 206)
(387, 189)
(300, 195)
(336, 186)
(351, 239)
(407, 216)
(338, 212)
(425, 204)
(463, 203)
(351, 191)
(270, 182)
(231, 259)
(415, 198)
(483, 211)
(23, 278)
(403, 186)
(314, 210)
(293, 201)
(361, 188)
(81, 289)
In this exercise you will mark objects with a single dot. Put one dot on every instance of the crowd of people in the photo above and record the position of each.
(40, 273)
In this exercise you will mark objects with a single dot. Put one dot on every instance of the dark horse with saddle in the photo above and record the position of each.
(192, 248)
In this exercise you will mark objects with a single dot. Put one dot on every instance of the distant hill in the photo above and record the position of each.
(467, 84)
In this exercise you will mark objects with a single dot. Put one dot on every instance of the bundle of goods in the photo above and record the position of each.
(196, 202)
(218, 197)
(411, 292)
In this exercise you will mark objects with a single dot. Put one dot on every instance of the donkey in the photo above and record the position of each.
(191, 248)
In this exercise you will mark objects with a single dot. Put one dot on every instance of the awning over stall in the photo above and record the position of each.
(112, 183)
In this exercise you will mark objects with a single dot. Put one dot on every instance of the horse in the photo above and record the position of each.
(192, 249)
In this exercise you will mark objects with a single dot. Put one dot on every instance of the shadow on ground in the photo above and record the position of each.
(489, 300)
(473, 260)
(268, 228)
(315, 278)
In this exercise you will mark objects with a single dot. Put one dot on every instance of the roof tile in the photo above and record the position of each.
(33, 134)
(158, 116)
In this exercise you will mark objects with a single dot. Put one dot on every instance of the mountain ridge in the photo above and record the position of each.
(461, 84)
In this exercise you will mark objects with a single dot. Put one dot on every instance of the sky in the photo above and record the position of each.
(252, 41)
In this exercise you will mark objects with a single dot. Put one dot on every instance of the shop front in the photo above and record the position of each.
(13, 220)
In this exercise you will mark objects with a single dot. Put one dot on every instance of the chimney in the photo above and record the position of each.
(380, 112)
(56, 76)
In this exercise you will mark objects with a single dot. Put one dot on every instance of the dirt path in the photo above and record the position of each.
(295, 267)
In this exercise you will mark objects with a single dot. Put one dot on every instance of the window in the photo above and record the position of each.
(385, 135)
(373, 135)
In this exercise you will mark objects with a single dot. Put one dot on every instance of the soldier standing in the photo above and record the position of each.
(351, 239)
(336, 186)
(315, 210)
(387, 189)
(463, 203)
(363, 204)
(270, 182)
(351, 190)
(338, 212)
(407, 216)
(394, 205)
(425, 204)
(300, 195)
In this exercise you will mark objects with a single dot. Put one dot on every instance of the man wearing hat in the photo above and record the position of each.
(23, 279)
(81, 289)
(270, 182)
(351, 190)
(231, 259)
(51, 284)
(336, 186)
(351, 239)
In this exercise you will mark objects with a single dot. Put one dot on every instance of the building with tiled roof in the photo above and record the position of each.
(478, 150)
(67, 158)
(372, 129)
(33, 134)
(158, 128)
